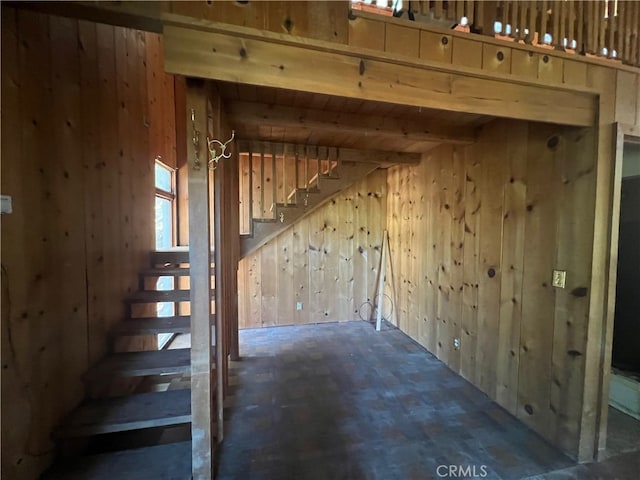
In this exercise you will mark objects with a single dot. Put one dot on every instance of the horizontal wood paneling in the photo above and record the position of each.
(76, 160)
(521, 340)
(329, 261)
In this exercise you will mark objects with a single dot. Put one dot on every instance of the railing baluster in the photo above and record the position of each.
(580, 44)
(633, 58)
(544, 18)
(437, 9)
(514, 19)
(622, 20)
(470, 12)
(602, 5)
(523, 21)
(563, 24)
(459, 10)
(555, 33)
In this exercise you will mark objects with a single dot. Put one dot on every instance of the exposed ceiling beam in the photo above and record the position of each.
(234, 53)
(384, 159)
(259, 114)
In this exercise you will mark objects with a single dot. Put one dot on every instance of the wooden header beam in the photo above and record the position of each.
(345, 154)
(258, 114)
(255, 57)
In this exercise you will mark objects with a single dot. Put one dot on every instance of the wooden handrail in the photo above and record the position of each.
(601, 28)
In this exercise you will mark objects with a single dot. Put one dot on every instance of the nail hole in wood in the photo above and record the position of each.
(491, 272)
(545, 59)
(553, 142)
(445, 40)
(500, 56)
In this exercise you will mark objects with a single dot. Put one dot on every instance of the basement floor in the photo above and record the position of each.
(341, 401)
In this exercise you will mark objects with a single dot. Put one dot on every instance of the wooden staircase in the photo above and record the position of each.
(281, 183)
(118, 411)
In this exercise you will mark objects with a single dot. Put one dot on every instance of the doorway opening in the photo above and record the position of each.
(624, 392)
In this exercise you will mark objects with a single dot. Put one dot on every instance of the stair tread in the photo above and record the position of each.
(152, 296)
(140, 364)
(169, 461)
(172, 255)
(152, 326)
(130, 412)
(169, 271)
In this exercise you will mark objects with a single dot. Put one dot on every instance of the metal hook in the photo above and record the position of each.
(211, 143)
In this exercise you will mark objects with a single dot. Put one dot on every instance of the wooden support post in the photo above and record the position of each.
(203, 414)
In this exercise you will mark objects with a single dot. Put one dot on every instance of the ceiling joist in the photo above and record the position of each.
(414, 128)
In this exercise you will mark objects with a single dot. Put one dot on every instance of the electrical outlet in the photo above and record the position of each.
(299, 306)
(559, 278)
(456, 343)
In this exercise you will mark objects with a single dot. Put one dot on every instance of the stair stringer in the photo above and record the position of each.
(264, 231)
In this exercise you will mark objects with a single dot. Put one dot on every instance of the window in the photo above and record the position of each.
(165, 196)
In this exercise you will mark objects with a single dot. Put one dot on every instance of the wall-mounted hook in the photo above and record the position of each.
(212, 143)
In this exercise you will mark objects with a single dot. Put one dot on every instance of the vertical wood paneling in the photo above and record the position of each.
(300, 233)
(513, 235)
(83, 204)
(329, 266)
(576, 162)
(534, 375)
(445, 200)
(516, 199)
(489, 262)
(471, 255)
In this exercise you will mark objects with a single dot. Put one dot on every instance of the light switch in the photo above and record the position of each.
(6, 204)
(559, 278)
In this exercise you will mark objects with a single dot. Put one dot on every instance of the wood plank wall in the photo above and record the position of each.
(329, 261)
(77, 160)
(475, 234)
(319, 20)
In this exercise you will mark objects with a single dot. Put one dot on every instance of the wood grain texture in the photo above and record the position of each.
(75, 184)
(334, 261)
(487, 280)
(293, 65)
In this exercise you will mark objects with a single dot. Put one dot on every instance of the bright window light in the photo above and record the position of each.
(464, 21)
(547, 39)
(497, 27)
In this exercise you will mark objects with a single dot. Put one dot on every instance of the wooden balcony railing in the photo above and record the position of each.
(601, 28)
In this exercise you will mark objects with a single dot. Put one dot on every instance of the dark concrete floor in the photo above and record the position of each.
(341, 401)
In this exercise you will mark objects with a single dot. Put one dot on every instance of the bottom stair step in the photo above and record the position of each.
(170, 461)
(140, 364)
(131, 412)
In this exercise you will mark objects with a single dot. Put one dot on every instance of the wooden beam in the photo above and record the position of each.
(146, 16)
(259, 114)
(202, 380)
(254, 57)
(344, 154)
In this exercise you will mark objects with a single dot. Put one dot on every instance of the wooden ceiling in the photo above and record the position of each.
(277, 115)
